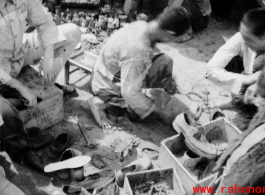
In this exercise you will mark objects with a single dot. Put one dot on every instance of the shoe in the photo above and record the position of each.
(183, 123)
(58, 146)
(191, 160)
(75, 190)
(96, 180)
(32, 139)
(216, 113)
(67, 154)
(68, 90)
(135, 166)
(179, 147)
(72, 163)
(35, 159)
(38, 138)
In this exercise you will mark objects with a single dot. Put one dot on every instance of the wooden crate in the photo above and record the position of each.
(49, 110)
(168, 159)
(158, 175)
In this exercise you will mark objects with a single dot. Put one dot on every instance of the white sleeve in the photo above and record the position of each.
(215, 69)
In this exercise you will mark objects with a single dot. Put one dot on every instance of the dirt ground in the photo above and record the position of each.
(189, 58)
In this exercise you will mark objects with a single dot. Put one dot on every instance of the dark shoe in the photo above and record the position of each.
(68, 90)
(32, 139)
(216, 113)
(37, 138)
(179, 147)
(96, 180)
(75, 190)
(35, 159)
(67, 154)
(58, 146)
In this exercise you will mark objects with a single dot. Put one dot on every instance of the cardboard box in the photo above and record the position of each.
(49, 110)
(168, 159)
(158, 175)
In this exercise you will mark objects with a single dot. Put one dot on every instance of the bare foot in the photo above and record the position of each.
(98, 110)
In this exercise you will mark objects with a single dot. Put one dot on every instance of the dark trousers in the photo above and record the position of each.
(198, 21)
(12, 121)
(236, 66)
(12, 125)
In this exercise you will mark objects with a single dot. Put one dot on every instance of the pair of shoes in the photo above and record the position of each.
(33, 139)
(135, 166)
(58, 146)
(68, 90)
(195, 138)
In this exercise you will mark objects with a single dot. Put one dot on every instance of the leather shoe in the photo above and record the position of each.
(58, 146)
(135, 166)
(96, 180)
(37, 138)
(179, 147)
(35, 159)
(195, 138)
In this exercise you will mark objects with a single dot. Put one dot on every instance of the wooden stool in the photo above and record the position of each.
(49, 110)
(82, 60)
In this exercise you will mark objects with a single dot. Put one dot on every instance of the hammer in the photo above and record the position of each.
(89, 145)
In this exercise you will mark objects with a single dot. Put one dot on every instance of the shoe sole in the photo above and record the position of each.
(72, 163)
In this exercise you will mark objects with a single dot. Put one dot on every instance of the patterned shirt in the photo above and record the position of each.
(15, 17)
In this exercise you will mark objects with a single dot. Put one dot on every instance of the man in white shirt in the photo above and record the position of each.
(236, 64)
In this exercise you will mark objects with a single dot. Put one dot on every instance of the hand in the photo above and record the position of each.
(29, 95)
(49, 72)
(251, 93)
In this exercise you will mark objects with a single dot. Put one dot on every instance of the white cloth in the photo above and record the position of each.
(215, 69)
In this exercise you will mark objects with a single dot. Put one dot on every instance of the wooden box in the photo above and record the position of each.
(168, 159)
(169, 176)
(49, 110)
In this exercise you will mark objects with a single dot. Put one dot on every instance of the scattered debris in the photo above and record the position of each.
(152, 188)
(97, 161)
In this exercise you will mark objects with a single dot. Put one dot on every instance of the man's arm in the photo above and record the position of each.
(215, 69)
(24, 91)
(49, 34)
(133, 73)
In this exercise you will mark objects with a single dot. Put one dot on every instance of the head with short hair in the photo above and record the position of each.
(175, 19)
(252, 28)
